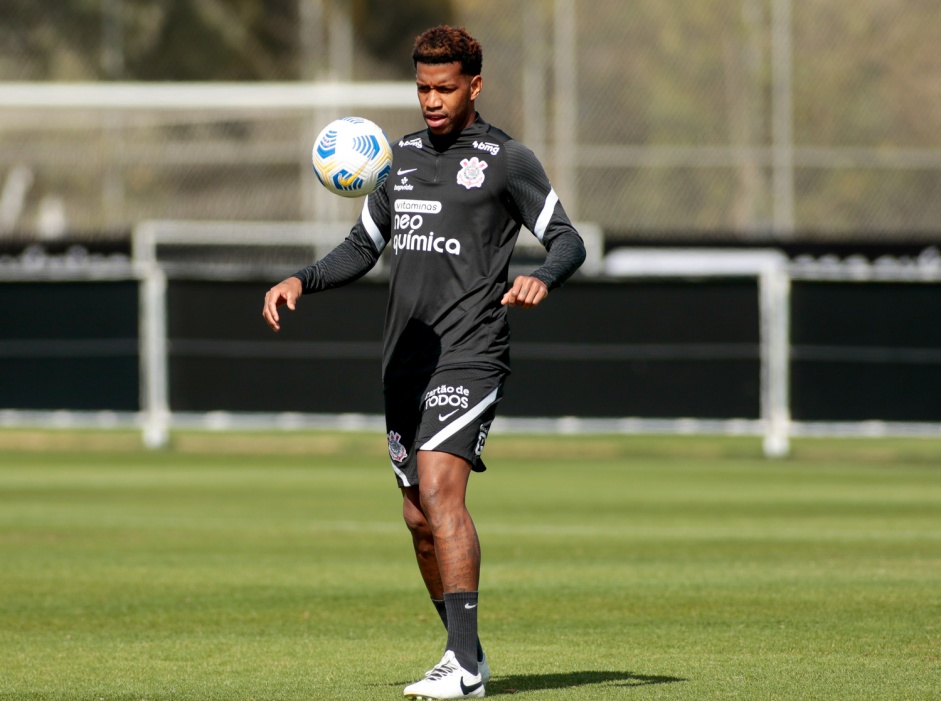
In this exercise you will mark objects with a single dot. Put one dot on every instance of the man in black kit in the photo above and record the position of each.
(451, 209)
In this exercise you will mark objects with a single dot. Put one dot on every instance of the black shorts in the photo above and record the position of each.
(449, 412)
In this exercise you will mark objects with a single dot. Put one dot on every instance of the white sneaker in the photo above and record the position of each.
(448, 680)
(483, 669)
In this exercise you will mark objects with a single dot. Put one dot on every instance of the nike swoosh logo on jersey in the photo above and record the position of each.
(408, 170)
(465, 689)
(448, 415)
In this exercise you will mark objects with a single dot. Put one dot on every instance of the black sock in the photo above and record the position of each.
(442, 610)
(462, 627)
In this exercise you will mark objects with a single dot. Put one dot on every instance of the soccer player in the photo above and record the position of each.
(451, 210)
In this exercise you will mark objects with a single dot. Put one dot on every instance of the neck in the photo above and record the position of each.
(443, 141)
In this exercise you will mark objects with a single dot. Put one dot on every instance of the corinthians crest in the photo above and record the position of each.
(396, 450)
(472, 172)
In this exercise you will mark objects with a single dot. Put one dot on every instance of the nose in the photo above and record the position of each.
(433, 99)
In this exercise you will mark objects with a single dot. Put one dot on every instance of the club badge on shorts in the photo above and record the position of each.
(472, 172)
(396, 450)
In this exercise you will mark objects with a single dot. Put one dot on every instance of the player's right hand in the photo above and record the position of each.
(285, 292)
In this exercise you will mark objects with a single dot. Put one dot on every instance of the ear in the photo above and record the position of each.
(475, 85)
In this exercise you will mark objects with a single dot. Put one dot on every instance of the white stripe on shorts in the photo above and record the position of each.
(395, 468)
(453, 428)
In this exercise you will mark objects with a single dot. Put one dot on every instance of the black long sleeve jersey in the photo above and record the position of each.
(451, 212)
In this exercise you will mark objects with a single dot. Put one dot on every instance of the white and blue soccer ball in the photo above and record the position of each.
(352, 157)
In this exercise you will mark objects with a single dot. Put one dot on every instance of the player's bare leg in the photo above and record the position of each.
(442, 487)
(423, 541)
(447, 550)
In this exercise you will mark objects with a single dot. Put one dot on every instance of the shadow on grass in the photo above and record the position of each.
(517, 683)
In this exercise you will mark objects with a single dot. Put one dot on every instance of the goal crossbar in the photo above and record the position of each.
(206, 95)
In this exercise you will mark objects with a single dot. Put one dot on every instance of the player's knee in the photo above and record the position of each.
(417, 524)
(443, 507)
(434, 495)
(414, 518)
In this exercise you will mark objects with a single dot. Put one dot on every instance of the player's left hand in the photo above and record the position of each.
(526, 292)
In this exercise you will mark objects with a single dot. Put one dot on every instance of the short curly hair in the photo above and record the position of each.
(446, 44)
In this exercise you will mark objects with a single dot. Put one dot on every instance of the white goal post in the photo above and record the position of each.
(209, 96)
(774, 291)
(319, 239)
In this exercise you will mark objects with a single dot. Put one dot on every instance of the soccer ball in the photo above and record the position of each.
(352, 157)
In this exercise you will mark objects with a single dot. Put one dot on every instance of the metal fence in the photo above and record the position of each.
(757, 121)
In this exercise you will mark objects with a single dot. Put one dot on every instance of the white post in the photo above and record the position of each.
(774, 290)
(340, 48)
(566, 106)
(534, 77)
(112, 65)
(153, 357)
(312, 40)
(782, 119)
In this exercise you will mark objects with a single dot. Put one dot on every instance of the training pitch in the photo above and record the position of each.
(275, 567)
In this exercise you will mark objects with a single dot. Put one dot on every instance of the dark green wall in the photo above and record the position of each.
(601, 349)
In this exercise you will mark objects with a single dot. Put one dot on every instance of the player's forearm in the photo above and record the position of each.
(347, 262)
(566, 254)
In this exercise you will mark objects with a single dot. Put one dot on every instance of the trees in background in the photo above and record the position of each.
(205, 40)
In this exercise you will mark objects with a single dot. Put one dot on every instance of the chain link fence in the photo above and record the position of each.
(752, 121)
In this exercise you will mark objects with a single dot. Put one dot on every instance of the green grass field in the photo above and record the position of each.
(276, 567)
